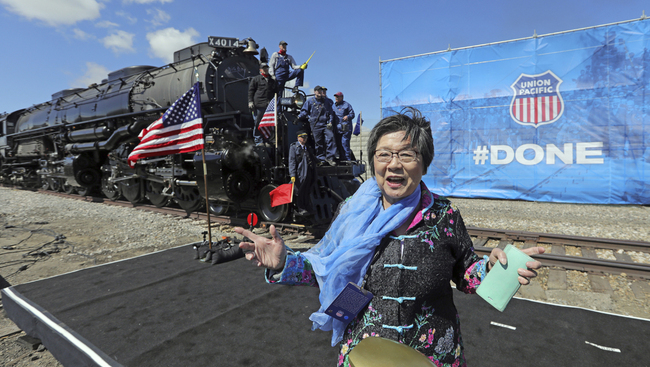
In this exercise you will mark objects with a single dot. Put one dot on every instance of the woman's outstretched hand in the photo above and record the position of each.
(267, 252)
(524, 274)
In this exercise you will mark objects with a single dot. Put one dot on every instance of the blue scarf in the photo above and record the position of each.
(344, 253)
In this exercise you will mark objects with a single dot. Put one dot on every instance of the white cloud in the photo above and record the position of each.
(159, 17)
(94, 74)
(146, 1)
(106, 24)
(127, 16)
(81, 35)
(55, 12)
(165, 42)
(119, 41)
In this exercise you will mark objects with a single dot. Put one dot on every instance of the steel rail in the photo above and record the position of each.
(221, 219)
(603, 243)
(605, 266)
(594, 265)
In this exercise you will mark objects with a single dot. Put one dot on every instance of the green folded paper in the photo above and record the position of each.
(502, 282)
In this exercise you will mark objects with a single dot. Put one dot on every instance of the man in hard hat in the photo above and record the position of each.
(284, 68)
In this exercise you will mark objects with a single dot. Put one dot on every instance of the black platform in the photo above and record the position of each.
(166, 309)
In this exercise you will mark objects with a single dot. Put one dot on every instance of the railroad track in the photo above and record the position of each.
(238, 219)
(484, 241)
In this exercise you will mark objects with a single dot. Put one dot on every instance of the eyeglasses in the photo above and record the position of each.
(404, 156)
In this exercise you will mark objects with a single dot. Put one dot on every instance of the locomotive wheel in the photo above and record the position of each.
(153, 191)
(269, 213)
(219, 207)
(188, 198)
(111, 190)
(82, 191)
(31, 180)
(131, 190)
(238, 185)
(45, 183)
(54, 183)
(89, 177)
(69, 189)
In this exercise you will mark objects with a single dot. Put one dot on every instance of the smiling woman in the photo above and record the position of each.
(396, 179)
(392, 231)
(401, 154)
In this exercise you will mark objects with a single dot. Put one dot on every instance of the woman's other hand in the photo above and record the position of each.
(267, 252)
(524, 274)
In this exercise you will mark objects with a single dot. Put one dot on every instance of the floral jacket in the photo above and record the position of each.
(409, 277)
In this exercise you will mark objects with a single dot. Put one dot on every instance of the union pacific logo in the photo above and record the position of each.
(537, 100)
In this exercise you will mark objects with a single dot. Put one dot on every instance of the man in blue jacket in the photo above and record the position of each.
(318, 110)
(302, 172)
(284, 68)
(344, 117)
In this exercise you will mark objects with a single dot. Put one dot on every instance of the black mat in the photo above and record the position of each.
(166, 309)
(549, 335)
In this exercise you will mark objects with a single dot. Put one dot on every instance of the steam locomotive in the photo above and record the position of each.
(80, 140)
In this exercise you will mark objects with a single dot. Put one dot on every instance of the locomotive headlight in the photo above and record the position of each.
(299, 100)
(296, 101)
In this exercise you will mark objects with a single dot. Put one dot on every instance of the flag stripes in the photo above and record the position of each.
(537, 109)
(268, 120)
(178, 130)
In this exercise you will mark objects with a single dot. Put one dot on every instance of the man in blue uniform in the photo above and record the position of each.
(261, 90)
(302, 172)
(284, 68)
(344, 117)
(318, 110)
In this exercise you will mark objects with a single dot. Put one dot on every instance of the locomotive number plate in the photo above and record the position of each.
(223, 42)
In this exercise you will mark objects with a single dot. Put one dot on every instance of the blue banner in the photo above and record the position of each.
(557, 118)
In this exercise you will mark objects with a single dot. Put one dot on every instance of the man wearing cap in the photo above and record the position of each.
(284, 68)
(344, 115)
(261, 90)
(323, 91)
(302, 172)
(318, 110)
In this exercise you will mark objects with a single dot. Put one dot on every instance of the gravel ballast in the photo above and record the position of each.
(96, 233)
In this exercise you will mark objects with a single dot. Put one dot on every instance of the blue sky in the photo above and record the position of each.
(51, 45)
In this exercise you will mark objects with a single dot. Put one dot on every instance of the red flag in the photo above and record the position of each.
(283, 194)
(179, 130)
(268, 120)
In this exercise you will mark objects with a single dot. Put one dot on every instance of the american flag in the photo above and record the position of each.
(268, 120)
(179, 130)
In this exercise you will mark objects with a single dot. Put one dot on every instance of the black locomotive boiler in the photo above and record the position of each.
(81, 138)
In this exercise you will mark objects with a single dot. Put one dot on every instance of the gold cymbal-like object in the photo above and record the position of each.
(381, 352)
